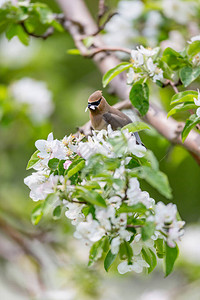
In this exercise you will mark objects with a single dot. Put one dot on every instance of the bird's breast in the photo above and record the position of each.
(97, 121)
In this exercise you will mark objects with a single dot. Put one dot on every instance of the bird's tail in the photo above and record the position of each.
(138, 139)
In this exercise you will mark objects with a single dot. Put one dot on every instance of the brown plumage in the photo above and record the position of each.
(102, 114)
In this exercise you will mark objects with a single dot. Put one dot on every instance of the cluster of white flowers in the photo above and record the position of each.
(166, 221)
(197, 103)
(104, 221)
(99, 143)
(13, 2)
(14, 54)
(42, 183)
(179, 10)
(35, 95)
(119, 29)
(143, 58)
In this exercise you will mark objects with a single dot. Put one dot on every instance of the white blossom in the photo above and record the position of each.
(35, 95)
(175, 41)
(138, 244)
(190, 245)
(197, 100)
(175, 233)
(115, 201)
(74, 212)
(41, 185)
(51, 148)
(178, 10)
(90, 230)
(151, 66)
(104, 216)
(132, 76)
(137, 266)
(115, 245)
(150, 31)
(194, 39)
(166, 221)
(198, 112)
(144, 58)
(135, 195)
(148, 52)
(156, 295)
(164, 214)
(14, 54)
(137, 56)
(119, 30)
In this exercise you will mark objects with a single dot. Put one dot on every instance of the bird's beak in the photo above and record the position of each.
(91, 106)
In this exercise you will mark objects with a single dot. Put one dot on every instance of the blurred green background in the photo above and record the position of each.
(71, 79)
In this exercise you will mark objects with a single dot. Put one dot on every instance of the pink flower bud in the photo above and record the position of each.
(66, 164)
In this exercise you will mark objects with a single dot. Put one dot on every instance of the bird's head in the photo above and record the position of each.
(96, 101)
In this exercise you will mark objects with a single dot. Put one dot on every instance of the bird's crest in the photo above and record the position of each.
(95, 96)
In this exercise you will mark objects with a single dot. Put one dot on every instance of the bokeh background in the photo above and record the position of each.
(43, 89)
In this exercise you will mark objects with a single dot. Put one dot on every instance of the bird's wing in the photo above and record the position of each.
(115, 121)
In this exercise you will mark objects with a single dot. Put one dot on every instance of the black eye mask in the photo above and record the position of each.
(96, 103)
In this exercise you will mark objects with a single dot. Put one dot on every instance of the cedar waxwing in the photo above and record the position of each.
(102, 114)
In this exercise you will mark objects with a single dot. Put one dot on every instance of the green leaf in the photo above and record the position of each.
(44, 13)
(139, 96)
(136, 126)
(126, 252)
(53, 163)
(137, 208)
(33, 160)
(89, 209)
(48, 202)
(22, 35)
(74, 52)
(61, 169)
(109, 259)
(148, 230)
(189, 74)
(151, 158)
(37, 214)
(170, 258)
(11, 31)
(181, 107)
(150, 258)
(155, 178)
(90, 196)
(96, 251)
(159, 244)
(173, 58)
(190, 123)
(167, 72)
(114, 72)
(187, 96)
(193, 48)
(75, 167)
(57, 212)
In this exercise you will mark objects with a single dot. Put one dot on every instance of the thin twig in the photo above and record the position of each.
(102, 10)
(101, 27)
(173, 85)
(134, 226)
(92, 53)
(44, 36)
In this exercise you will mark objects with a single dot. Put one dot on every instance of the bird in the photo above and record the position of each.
(102, 114)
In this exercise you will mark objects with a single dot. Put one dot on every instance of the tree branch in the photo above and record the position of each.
(44, 36)
(77, 11)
